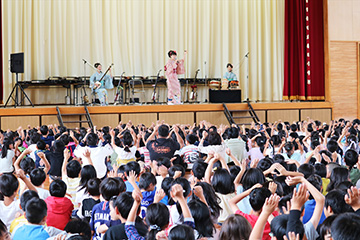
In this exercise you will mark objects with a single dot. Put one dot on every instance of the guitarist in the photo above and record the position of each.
(99, 83)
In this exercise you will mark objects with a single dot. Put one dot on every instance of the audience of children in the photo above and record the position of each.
(268, 181)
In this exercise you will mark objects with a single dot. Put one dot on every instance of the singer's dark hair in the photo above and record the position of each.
(229, 65)
(96, 65)
(172, 52)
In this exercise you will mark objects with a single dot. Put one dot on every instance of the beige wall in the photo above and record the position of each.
(344, 20)
(344, 35)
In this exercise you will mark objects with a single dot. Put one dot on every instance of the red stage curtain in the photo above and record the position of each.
(304, 50)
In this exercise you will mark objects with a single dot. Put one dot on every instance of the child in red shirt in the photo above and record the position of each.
(59, 207)
(258, 196)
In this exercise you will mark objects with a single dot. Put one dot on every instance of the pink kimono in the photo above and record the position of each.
(172, 69)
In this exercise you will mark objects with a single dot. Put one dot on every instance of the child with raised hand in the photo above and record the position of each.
(70, 173)
(130, 144)
(312, 224)
(258, 196)
(157, 215)
(284, 224)
(270, 205)
(10, 206)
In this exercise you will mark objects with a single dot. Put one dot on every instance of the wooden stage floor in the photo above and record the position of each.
(186, 113)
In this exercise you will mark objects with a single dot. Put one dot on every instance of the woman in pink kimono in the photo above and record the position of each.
(172, 68)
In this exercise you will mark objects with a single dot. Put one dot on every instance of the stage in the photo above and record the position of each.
(12, 118)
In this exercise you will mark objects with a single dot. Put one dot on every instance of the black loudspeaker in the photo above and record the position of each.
(17, 62)
(225, 96)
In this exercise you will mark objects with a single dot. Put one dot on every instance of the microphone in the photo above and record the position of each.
(247, 55)
(159, 71)
(84, 60)
(122, 73)
(198, 70)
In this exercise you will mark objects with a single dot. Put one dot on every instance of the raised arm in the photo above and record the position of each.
(241, 174)
(18, 160)
(65, 162)
(239, 197)
(319, 198)
(43, 158)
(269, 207)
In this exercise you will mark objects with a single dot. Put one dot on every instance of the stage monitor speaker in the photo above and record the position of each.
(225, 96)
(17, 62)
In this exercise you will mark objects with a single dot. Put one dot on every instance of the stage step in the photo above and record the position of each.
(240, 117)
(80, 121)
(229, 114)
(73, 114)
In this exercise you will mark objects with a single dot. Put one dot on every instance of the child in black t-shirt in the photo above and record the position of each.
(92, 187)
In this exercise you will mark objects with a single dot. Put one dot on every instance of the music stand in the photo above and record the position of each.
(17, 66)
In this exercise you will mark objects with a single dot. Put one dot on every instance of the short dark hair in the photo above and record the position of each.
(175, 168)
(27, 164)
(214, 138)
(96, 65)
(73, 169)
(93, 187)
(92, 139)
(41, 145)
(184, 184)
(180, 232)
(306, 169)
(123, 203)
(37, 177)
(146, 179)
(320, 169)
(35, 210)
(233, 132)
(192, 138)
(44, 129)
(258, 197)
(346, 226)
(164, 161)
(221, 182)
(26, 196)
(79, 226)
(199, 169)
(279, 224)
(58, 188)
(332, 146)
(58, 145)
(351, 158)
(251, 177)
(163, 130)
(335, 199)
(8, 184)
(229, 65)
(110, 187)
(132, 166)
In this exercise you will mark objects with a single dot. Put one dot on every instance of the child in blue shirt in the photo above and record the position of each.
(147, 185)
(109, 187)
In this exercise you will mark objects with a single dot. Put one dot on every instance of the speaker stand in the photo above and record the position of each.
(16, 92)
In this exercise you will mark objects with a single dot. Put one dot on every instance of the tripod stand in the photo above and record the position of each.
(16, 92)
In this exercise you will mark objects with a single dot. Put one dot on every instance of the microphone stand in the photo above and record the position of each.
(205, 81)
(119, 91)
(84, 97)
